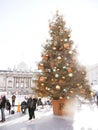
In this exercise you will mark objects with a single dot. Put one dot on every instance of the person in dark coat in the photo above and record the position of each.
(39, 102)
(23, 106)
(8, 105)
(2, 106)
(31, 103)
(13, 100)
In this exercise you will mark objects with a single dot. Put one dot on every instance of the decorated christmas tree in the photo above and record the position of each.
(61, 74)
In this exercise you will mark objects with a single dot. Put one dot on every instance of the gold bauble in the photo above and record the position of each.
(41, 66)
(54, 48)
(66, 46)
(42, 84)
(59, 58)
(45, 57)
(71, 91)
(78, 84)
(58, 87)
(69, 70)
(63, 77)
(83, 72)
(42, 79)
(60, 97)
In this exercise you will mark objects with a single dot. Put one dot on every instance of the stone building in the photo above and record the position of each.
(20, 80)
(16, 82)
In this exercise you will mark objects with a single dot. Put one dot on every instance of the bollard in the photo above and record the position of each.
(18, 108)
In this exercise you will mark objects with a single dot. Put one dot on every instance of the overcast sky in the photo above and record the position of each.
(24, 28)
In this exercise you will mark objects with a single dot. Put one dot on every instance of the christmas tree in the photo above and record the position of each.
(61, 74)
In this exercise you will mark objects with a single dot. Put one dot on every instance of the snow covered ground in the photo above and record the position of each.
(19, 117)
(86, 118)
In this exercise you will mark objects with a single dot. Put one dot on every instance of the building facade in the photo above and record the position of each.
(16, 82)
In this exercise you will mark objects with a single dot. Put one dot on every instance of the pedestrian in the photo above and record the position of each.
(24, 106)
(39, 102)
(8, 105)
(48, 102)
(2, 106)
(31, 103)
(13, 100)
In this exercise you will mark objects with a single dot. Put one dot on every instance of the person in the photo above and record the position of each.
(31, 103)
(39, 102)
(23, 106)
(48, 102)
(8, 105)
(2, 106)
(13, 100)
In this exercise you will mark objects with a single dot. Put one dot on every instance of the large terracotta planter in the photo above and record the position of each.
(64, 106)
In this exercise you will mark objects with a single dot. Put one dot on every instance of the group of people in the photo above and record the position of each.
(29, 103)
